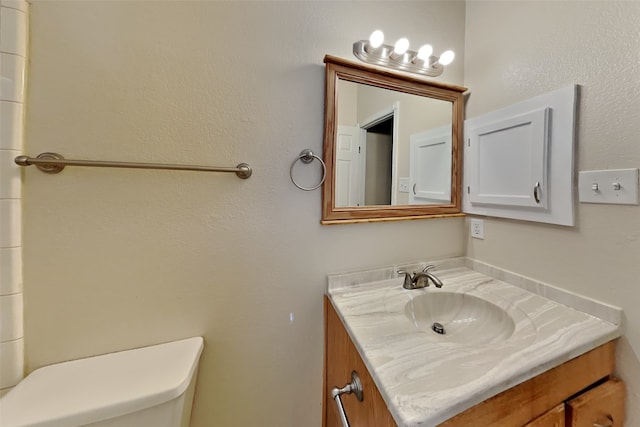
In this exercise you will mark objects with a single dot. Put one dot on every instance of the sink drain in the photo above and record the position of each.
(438, 328)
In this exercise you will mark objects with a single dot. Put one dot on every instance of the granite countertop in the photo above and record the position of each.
(426, 378)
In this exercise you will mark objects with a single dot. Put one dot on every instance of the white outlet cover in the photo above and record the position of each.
(613, 186)
(477, 228)
(403, 185)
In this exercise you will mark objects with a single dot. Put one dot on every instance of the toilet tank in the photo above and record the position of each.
(149, 386)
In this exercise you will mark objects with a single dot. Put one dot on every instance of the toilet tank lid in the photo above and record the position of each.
(89, 390)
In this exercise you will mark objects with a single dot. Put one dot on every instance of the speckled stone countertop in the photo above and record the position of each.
(426, 378)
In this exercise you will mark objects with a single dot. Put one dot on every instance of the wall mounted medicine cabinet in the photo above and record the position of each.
(518, 160)
(392, 145)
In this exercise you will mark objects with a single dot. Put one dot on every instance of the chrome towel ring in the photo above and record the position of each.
(306, 156)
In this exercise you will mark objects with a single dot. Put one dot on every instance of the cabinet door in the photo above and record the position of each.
(510, 161)
(552, 418)
(341, 357)
(601, 406)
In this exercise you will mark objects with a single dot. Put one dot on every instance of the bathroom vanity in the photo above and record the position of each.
(508, 357)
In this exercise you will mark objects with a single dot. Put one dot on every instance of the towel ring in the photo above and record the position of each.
(306, 156)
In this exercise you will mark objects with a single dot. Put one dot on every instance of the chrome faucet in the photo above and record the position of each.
(420, 279)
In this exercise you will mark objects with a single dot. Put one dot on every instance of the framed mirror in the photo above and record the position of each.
(392, 145)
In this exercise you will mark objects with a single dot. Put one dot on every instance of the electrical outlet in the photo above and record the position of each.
(404, 185)
(477, 228)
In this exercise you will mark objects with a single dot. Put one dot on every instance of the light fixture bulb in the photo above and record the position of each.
(425, 52)
(447, 57)
(401, 46)
(376, 39)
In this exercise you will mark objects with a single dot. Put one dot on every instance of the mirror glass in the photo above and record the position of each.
(391, 146)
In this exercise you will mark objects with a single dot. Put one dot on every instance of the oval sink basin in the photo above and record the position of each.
(459, 318)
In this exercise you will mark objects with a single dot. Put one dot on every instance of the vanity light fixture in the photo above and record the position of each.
(375, 40)
(398, 56)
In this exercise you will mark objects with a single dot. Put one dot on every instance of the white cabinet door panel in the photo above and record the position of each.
(510, 164)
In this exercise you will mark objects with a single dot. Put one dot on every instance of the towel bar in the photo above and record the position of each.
(55, 163)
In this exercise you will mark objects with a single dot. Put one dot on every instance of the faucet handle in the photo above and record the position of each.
(408, 279)
(428, 268)
(406, 273)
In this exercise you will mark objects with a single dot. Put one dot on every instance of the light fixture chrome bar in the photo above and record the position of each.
(408, 61)
(55, 163)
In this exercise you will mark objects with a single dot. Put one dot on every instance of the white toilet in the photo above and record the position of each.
(146, 387)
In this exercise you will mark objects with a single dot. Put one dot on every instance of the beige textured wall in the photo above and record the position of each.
(115, 259)
(348, 105)
(516, 50)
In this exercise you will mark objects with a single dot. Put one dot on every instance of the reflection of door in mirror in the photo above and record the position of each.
(374, 155)
(364, 156)
(348, 167)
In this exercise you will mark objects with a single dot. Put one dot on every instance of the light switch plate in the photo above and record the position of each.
(614, 186)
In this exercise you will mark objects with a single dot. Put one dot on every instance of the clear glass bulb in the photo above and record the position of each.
(401, 46)
(376, 39)
(425, 52)
(447, 57)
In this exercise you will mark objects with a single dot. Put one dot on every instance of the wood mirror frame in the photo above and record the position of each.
(341, 69)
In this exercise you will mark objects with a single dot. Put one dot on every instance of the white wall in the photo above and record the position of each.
(13, 53)
(116, 259)
(516, 50)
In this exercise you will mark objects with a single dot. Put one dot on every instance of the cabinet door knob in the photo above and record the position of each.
(355, 387)
(536, 192)
(606, 421)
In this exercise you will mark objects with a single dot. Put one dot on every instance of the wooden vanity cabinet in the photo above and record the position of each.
(553, 418)
(341, 358)
(578, 393)
(600, 406)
